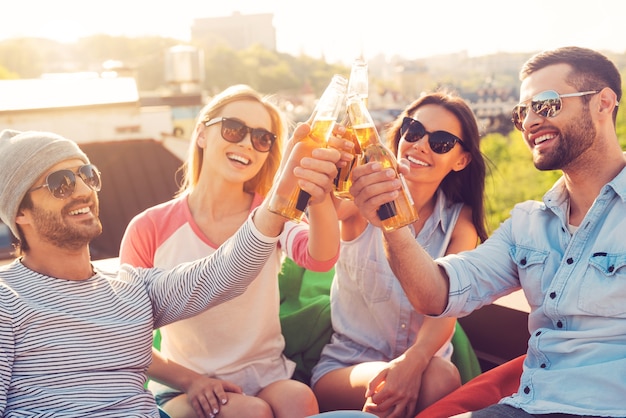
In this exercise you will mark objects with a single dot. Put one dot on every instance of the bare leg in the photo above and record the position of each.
(440, 378)
(238, 406)
(345, 388)
(289, 399)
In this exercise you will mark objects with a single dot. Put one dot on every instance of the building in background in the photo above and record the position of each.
(137, 140)
(86, 107)
(182, 92)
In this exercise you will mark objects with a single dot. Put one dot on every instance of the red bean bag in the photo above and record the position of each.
(484, 390)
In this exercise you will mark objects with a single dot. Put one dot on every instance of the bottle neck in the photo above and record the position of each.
(367, 135)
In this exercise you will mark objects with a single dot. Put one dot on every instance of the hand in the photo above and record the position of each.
(372, 186)
(317, 168)
(300, 133)
(206, 395)
(344, 145)
(394, 391)
(317, 173)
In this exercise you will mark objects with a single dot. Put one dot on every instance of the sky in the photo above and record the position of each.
(341, 30)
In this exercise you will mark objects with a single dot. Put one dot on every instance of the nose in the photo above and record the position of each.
(82, 189)
(530, 119)
(247, 138)
(421, 143)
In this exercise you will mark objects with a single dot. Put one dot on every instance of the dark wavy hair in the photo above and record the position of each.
(467, 185)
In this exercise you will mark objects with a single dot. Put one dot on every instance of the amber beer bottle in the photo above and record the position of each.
(357, 85)
(401, 211)
(286, 198)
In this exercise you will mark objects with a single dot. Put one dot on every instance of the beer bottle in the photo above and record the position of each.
(357, 85)
(401, 211)
(286, 198)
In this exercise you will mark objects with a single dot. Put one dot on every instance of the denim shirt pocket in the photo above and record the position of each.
(531, 264)
(375, 282)
(603, 288)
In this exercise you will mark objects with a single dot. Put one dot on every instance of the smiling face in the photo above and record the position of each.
(69, 223)
(556, 141)
(426, 165)
(234, 162)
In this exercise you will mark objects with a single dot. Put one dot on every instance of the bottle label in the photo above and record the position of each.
(303, 200)
(387, 211)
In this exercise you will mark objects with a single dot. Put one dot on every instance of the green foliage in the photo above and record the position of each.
(621, 123)
(267, 71)
(512, 177)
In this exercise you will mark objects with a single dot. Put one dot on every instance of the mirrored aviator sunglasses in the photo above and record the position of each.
(62, 183)
(546, 104)
(440, 142)
(235, 131)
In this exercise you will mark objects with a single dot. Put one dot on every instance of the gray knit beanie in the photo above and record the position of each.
(24, 157)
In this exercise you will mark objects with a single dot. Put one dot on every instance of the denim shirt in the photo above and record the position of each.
(576, 288)
(369, 308)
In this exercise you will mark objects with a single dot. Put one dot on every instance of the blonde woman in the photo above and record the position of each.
(229, 360)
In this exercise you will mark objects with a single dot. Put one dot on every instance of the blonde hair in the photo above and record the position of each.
(262, 181)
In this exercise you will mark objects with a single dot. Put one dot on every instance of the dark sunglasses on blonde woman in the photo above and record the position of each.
(546, 104)
(62, 183)
(440, 142)
(234, 131)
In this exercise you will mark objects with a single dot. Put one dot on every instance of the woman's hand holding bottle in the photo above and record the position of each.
(287, 198)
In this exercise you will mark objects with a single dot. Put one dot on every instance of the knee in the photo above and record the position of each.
(441, 377)
(303, 395)
(290, 398)
(256, 407)
(447, 374)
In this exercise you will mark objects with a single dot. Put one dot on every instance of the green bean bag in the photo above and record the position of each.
(304, 315)
(306, 324)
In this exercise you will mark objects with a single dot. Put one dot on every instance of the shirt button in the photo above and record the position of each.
(611, 268)
(523, 261)
(403, 326)
(526, 390)
(559, 324)
(570, 260)
(552, 295)
(538, 333)
(543, 365)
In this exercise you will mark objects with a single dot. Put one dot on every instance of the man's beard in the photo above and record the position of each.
(51, 228)
(574, 139)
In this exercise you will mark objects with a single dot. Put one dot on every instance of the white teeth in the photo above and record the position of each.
(416, 161)
(79, 211)
(543, 138)
(239, 158)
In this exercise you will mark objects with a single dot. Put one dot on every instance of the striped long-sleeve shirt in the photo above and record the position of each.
(81, 348)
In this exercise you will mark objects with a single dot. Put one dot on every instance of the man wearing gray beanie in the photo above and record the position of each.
(76, 339)
(24, 157)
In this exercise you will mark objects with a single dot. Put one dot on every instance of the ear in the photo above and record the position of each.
(199, 136)
(608, 101)
(22, 218)
(464, 159)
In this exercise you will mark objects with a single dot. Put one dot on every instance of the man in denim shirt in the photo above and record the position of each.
(567, 253)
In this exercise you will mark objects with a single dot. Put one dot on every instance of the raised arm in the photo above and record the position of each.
(424, 282)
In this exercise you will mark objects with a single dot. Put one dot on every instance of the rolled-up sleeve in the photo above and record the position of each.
(480, 276)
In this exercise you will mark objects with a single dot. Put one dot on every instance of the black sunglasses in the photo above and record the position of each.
(62, 183)
(546, 104)
(234, 131)
(439, 141)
